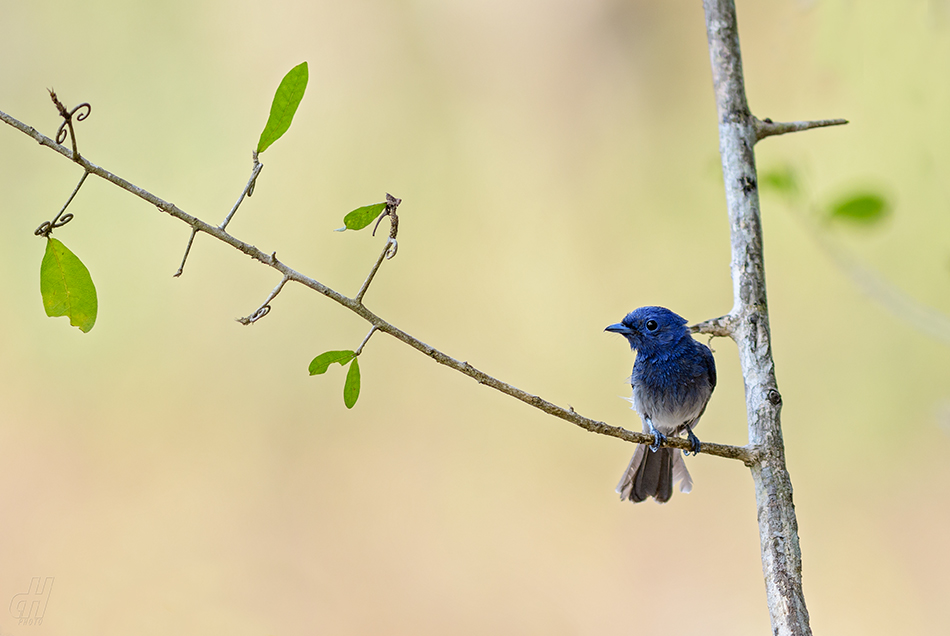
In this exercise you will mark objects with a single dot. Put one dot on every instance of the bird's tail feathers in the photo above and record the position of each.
(680, 474)
(653, 474)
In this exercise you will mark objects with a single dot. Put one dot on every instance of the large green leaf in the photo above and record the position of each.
(361, 217)
(351, 389)
(322, 362)
(282, 110)
(66, 287)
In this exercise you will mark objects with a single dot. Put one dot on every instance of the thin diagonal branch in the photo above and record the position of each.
(768, 128)
(745, 454)
(889, 296)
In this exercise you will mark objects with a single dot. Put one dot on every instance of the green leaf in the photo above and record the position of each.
(361, 217)
(781, 180)
(322, 362)
(866, 209)
(66, 287)
(282, 110)
(351, 389)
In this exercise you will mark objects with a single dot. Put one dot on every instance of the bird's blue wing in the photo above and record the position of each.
(710, 366)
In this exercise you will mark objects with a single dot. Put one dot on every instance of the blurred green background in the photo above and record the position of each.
(558, 162)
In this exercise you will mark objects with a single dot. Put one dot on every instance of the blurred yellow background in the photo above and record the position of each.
(176, 472)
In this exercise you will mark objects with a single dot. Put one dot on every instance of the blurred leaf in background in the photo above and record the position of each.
(860, 209)
(782, 180)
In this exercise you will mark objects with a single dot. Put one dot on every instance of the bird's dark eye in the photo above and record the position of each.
(651, 325)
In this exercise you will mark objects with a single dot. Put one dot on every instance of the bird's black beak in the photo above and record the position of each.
(620, 328)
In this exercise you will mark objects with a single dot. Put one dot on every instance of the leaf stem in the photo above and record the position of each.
(359, 349)
(47, 227)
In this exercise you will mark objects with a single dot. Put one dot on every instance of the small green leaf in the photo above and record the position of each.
(282, 110)
(865, 208)
(361, 217)
(66, 287)
(351, 389)
(322, 362)
(781, 180)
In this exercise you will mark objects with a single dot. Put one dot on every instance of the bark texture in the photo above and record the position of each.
(749, 327)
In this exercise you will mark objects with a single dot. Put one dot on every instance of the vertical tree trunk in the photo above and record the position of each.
(749, 327)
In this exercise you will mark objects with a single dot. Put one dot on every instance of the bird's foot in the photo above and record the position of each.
(693, 442)
(660, 438)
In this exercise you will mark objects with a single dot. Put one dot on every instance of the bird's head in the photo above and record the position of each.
(651, 329)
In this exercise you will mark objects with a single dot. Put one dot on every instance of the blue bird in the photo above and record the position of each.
(673, 378)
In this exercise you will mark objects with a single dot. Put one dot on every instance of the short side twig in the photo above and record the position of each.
(722, 327)
(191, 240)
(768, 128)
(248, 189)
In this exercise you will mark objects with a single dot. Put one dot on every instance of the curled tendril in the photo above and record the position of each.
(257, 315)
(393, 248)
(81, 116)
(260, 313)
(48, 226)
(61, 133)
(66, 128)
